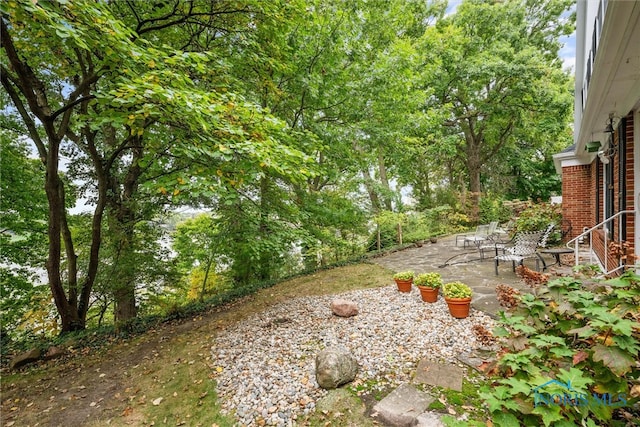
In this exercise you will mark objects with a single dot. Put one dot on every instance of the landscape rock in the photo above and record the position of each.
(53, 353)
(445, 375)
(344, 308)
(335, 366)
(25, 358)
(403, 406)
(429, 419)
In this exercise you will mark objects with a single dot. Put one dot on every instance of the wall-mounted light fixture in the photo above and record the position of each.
(610, 151)
(609, 128)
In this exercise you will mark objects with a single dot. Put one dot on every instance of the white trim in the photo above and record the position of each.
(574, 162)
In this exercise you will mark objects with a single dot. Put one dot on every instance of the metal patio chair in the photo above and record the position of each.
(483, 233)
(525, 245)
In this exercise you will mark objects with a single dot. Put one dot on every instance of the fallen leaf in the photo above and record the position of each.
(157, 401)
(579, 357)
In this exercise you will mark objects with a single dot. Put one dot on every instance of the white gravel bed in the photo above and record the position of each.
(265, 364)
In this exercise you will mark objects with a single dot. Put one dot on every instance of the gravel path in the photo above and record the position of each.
(265, 364)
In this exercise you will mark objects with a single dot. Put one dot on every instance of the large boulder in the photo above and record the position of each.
(344, 308)
(25, 358)
(335, 366)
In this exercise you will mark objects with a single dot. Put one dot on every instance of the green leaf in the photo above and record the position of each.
(504, 419)
(547, 340)
(518, 386)
(549, 413)
(616, 359)
(501, 331)
(583, 332)
(627, 343)
(575, 378)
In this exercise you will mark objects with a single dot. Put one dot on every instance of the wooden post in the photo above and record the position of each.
(400, 233)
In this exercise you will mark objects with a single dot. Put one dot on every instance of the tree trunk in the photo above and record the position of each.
(123, 210)
(369, 183)
(384, 180)
(125, 304)
(474, 164)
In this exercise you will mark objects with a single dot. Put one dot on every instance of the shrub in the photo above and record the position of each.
(570, 356)
(493, 208)
(429, 280)
(456, 290)
(404, 275)
(539, 216)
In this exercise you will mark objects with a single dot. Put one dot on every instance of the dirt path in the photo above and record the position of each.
(91, 386)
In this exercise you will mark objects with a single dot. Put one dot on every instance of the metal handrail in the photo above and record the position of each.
(576, 240)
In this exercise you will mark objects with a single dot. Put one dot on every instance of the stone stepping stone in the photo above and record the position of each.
(429, 419)
(439, 374)
(403, 406)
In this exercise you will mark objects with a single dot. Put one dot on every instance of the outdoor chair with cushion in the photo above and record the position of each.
(525, 245)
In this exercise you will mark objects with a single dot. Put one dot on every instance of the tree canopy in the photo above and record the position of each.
(292, 124)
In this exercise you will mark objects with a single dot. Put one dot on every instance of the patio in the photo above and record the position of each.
(464, 264)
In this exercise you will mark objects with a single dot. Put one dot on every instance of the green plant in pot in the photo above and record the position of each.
(404, 279)
(458, 297)
(429, 285)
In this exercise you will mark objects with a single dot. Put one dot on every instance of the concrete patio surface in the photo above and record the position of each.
(406, 405)
(457, 263)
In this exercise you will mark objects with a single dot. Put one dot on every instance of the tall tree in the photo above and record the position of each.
(497, 74)
(118, 102)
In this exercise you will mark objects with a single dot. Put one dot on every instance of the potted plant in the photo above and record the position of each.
(429, 285)
(403, 280)
(458, 298)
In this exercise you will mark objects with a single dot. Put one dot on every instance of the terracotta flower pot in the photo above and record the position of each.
(404, 285)
(428, 294)
(459, 307)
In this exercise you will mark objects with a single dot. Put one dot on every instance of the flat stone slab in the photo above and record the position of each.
(403, 406)
(429, 419)
(439, 374)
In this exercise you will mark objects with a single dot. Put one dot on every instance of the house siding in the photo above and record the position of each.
(584, 208)
(578, 201)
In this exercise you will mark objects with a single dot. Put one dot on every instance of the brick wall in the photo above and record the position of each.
(630, 199)
(578, 199)
(579, 194)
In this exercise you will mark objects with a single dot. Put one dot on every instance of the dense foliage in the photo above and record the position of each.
(304, 131)
(571, 356)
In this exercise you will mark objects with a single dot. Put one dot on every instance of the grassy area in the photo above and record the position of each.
(164, 376)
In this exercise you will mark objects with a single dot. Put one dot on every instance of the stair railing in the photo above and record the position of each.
(606, 227)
